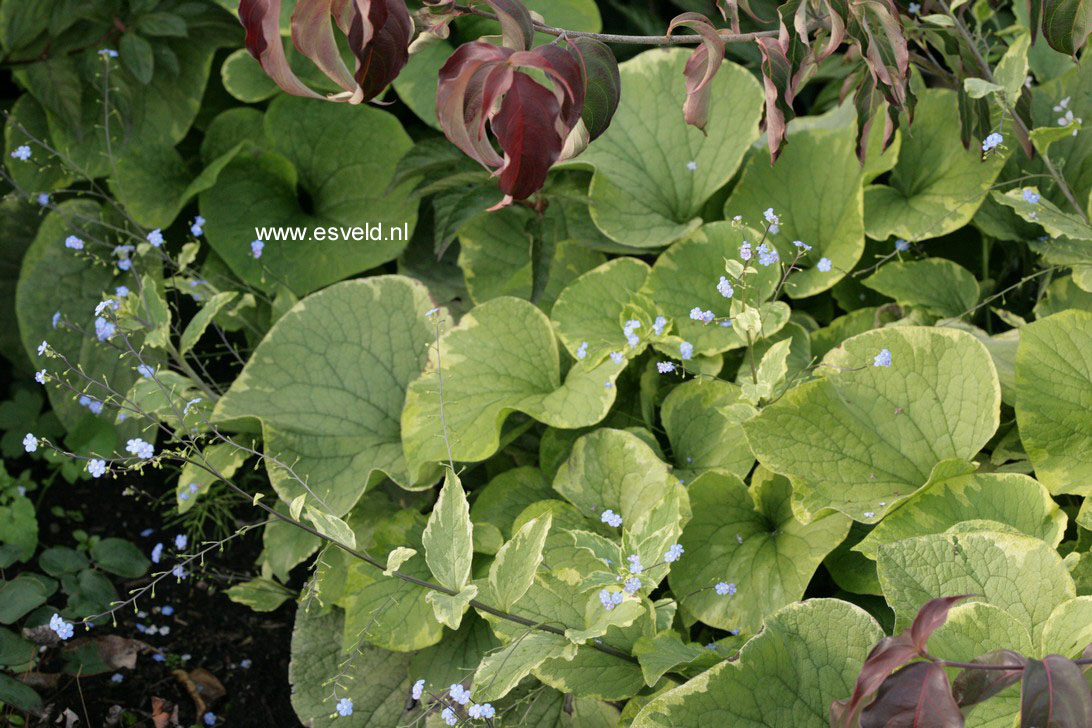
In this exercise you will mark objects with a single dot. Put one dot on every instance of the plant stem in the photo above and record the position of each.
(1016, 120)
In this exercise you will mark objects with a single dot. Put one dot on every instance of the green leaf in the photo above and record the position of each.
(331, 527)
(1068, 630)
(346, 183)
(507, 494)
(449, 536)
(978, 88)
(378, 698)
(136, 54)
(1009, 498)
(261, 595)
(502, 669)
(224, 458)
(18, 530)
(993, 566)
(592, 309)
(513, 570)
(120, 557)
(446, 662)
(502, 357)
(1046, 213)
(937, 184)
(807, 656)
(325, 411)
(449, 608)
(15, 651)
(663, 653)
(416, 84)
(701, 257)
(19, 596)
(939, 286)
(398, 557)
(162, 25)
(18, 695)
(61, 560)
(643, 193)
(598, 620)
(44, 171)
(748, 537)
(861, 438)
(1066, 25)
(824, 210)
(1053, 399)
(704, 423)
(22, 23)
(1012, 69)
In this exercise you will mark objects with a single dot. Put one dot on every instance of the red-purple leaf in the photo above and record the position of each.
(527, 132)
(1054, 694)
(379, 36)
(889, 654)
(776, 83)
(261, 19)
(973, 686)
(700, 68)
(932, 615)
(729, 10)
(917, 696)
(313, 34)
(603, 84)
(567, 75)
(460, 95)
(517, 26)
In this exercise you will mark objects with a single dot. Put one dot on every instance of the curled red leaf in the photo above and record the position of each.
(700, 68)
(932, 615)
(517, 27)
(917, 696)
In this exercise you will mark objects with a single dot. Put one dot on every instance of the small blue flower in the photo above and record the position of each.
(180, 541)
(191, 403)
(30, 442)
(914, 8)
(256, 248)
(167, 610)
(803, 246)
(745, 251)
(767, 255)
(658, 325)
(121, 291)
(611, 518)
(610, 599)
(692, 165)
(686, 350)
(178, 571)
(869, 514)
(117, 677)
(40, 377)
(209, 718)
(246, 663)
(634, 564)
(771, 217)
(631, 585)
(42, 347)
(449, 716)
(725, 589)
(901, 245)
(617, 357)
(125, 264)
(157, 553)
(992, 141)
(459, 694)
(73, 242)
(95, 406)
(55, 320)
(883, 359)
(673, 553)
(158, 657)
(484, 710)
(141, 449)
(43, 199)
(725, 287)
(664, 367)
(418, 689)
(145, 371)
(108, 53)
(582, 350)
(22, 152)
(63, 629)
(345, 707)
(96, 467)
(147, 532)
(1031, 196)
(155, 237)
(824, 265)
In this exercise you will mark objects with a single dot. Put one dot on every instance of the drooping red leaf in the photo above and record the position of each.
(917, 696)
(567, 74)
(517, 26)
(526, 130)
(973, 686)
(603, 84)
(700, 68)
(1054, 694)
(729, 10)
(313, 34)
(889, 654)
(776, 81)
(932, 615)
(379, 36)
(460, 95)
(261, 19)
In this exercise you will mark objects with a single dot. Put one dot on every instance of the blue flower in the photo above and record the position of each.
(767, 255)
(63, 629)
(673, 553)
(108, 53)
(686, 350)
(246, 663)
(658, 325)
(449, 716)
(582, 351)
(180, 541)
(459, 694)
(43, 199)
(22, 152)
(345, 707)
(209, 718)
(803, 246)
(157, 553)
(634, 564)
(73, 242)
(125, 264)
(869, 514)
(96, 467)
(141, 449)
(55, 320)
(178, 571)
(117, 677)
(610, 599)
(121, 291)
(883, 359)
(617, 357)
(725, 589)
(256, 248)
(30, 442)
(771, 217)
(40, 377)
(484, 710)
(1031, 196)
(664, 367)
(42, 347)
(992, 141)
(418, 689)
(145, 371)
(745, 251)
(631, 585)
(155, 237)
(95, 406)
(158, 657)
(824, 265)
(901, 245)
(725, 287)
(611, 518)
(167, 610)
(146, 532)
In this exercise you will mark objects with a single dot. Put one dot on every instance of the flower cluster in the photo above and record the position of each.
(610, 599)
(63, 629)
(631, 326)
(883, 359)
(992, 141)
(611, 518)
